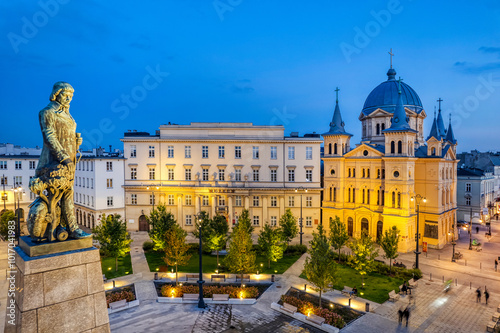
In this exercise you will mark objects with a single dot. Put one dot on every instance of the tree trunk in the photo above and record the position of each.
(320, 298)
(116, 264)
(390, 265)
(217, 251)
(176, 277)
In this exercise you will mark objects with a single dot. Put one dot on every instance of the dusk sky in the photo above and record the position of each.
(137, 65)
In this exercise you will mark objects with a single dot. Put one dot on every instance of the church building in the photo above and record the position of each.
(395, 173)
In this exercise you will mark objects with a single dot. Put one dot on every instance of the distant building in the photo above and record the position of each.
(489, 162)
(17, 166)
(222, 168)
(476, 189)
(377, 184)
(98, 187)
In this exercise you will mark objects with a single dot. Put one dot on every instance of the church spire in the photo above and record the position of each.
(440, 123)
(434, 131)
(399, 121)
(337, 125)
(391, 73)
(449, 134)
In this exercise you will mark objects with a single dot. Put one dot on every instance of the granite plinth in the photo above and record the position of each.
(34, 249)
(58, 292)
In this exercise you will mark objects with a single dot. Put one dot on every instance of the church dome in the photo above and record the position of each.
(385, 96)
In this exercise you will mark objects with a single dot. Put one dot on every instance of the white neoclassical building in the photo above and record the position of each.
(222, 168)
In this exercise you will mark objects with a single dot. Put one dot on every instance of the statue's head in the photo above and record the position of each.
(62, 92)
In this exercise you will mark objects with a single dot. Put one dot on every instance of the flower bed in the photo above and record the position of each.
(208, 291)
(118, 294)
(234, 290)
(307, 308)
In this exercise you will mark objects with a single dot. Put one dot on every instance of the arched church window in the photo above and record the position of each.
(349, 195)
(433, 151)
(393, 199)
(383, 127)
(364, 173)
(400, 147)
(335, 149)
(354, 172)
(368, 173)
(378, 173)
(329, 149)
(349, 172)
(378, 129)
(353, 195)
(399, 199)
(393, 149)
(334, 194)
(383, 173)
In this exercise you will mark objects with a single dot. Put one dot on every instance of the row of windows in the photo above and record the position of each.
(255, 220)
(18, 165)
(84, 199)
(222, 174)
(221, 152)
(400, 148)
(221, 200)
(85, 166)
(365, 173)
(18, 180)
(82, 181)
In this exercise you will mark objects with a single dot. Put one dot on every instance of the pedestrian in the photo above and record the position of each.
(478, 292)
(496, 265)
(477, 229)
(400, 315)
(486, 295)
(406, 313)
(404, 289)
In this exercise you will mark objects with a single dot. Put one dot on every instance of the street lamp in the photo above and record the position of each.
(470, 230)
(153, 198)
(201, 302)
(300, 219)
(417, 198)
(18, 192)
(4, 194)
(490, 208)
(453, 242)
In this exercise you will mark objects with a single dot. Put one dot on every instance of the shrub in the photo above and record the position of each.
(119, 295)
(304, 307)
(148, 246)
(296, 249)
(168, 290)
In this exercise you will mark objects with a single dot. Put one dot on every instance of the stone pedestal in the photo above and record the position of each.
(59, 292)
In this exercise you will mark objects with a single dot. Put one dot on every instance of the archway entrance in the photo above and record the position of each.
(380, 227)
(364, 225)
(143, 223)
(350, 226)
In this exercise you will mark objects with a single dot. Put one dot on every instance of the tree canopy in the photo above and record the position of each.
(241, 257)
(271, 244)
(389, 244)
(338, 234)
(364, 253)
(113, 237)
(160, 221)
(288, 225)
(176, 253)
(7, 215)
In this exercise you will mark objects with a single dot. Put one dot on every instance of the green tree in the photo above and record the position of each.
(364, 254)
(203, 221)
(288, 225)
(113, 237)
(271, 244)
(320, 268)
(176, 253)
(7, 215)
(160, 221)
(244, 221)
(389, 244)
(240, 258)
(338, 234)
(218, 234)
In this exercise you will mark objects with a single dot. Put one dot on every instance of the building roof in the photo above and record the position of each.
(337, 125)
(440, 125)
(470, 172)
(450, 137)
(385, 96)
(399, 120)
(22, 156)
(434, 132)
(495, 160)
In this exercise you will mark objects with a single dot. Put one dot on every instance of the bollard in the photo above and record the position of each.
(305, 287)
(113, 284)
(367, 307)
(349, 301)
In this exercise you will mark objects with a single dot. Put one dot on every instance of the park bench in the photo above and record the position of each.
(245, 277)
(498, 308)
(220, 297)
(104, 278)
(316, 319)
(190, 297)
(399, 265)
(289, 308)
(393, 296)
(347, 291)
(191, 276)
(495, 316)
(118, 304)
(492, 326)
(218, 276)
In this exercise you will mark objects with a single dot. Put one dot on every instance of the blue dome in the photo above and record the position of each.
(385, 96)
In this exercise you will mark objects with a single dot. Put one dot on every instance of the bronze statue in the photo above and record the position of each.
(52, 214)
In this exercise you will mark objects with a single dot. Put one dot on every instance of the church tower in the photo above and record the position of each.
(336, 139)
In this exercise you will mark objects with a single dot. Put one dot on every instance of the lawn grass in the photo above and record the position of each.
(377, 286)
(210, 263)
(124, 266)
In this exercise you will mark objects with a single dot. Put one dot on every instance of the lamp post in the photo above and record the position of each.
(490, 208)
(201, 302)
(453, 243)
(153, 195)
(4, 194)
(18, 192)
(300, 219)
(417, 198)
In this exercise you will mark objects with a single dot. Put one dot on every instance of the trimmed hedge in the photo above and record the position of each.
(234, 292)
(148, 246)
(304, 307)
(296, 249)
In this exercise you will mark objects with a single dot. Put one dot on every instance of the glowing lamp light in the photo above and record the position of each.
(425, 200)
(275, 271)
(261, 264)
(361, 293)
(241, 295)
(157, 187)
(109, 268)
(243, 286)
(157, 269)
(331, 305)
(216, 271)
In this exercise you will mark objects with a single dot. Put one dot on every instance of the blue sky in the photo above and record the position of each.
(266, 62)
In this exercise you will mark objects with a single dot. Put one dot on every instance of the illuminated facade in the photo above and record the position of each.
(378, 184)
(222, 168)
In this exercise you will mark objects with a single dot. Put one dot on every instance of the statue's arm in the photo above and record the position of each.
(47, 125)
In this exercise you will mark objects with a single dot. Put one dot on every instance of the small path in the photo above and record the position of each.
(139, 262)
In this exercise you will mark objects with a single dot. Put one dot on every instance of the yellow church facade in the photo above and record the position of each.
(394, 172)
